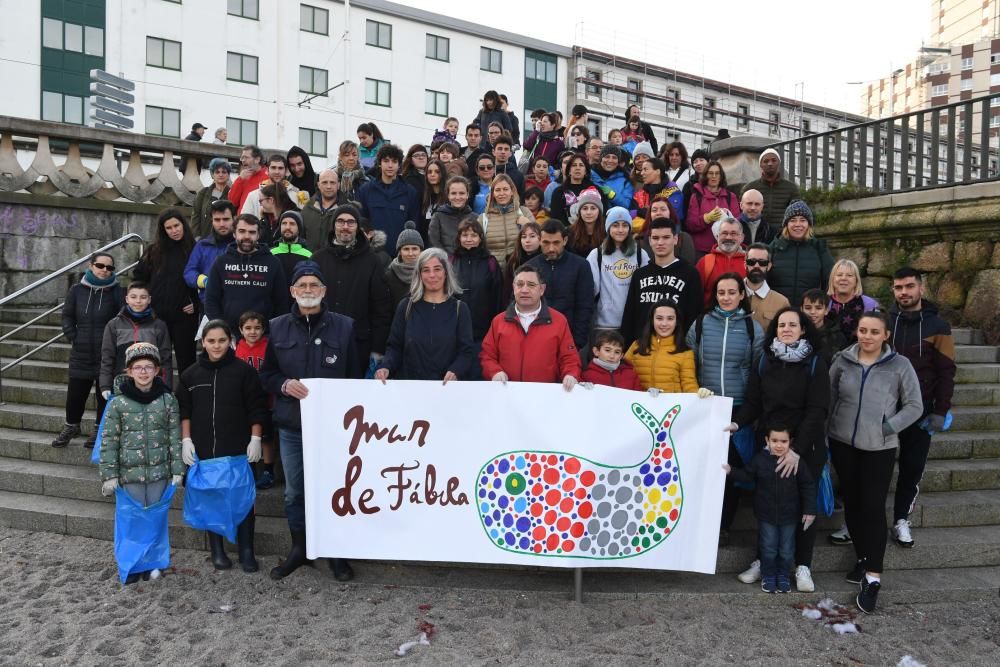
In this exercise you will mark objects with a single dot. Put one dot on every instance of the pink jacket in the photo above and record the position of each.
(703, 201)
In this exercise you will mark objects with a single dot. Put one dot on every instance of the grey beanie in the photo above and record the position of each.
(409, 236)
(798, 207)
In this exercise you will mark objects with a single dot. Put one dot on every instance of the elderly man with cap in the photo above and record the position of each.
(726, 256)
(309, 342)
(778, 192)
(197, 132)
(356, 282)
(201, 216)
(289, 248)
(799, 260)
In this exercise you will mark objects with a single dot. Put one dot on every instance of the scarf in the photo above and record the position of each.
(504, 208)
(606, 365)
(348, 178)
(404, 272)
(140, 315)
(794, 353)
(90, 280)
(127, 387)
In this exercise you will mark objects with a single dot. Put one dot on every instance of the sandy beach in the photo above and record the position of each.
(62, 604)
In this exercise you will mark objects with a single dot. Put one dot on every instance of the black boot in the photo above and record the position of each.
(295, 558)
(342, 570)
(244, 541)
(69, 431)
(220, 561)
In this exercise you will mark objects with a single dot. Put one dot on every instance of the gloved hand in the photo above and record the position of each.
(569, 382)
(934, 423)
(177, 479)
(500, 377)
(202, 281)
(109, 486)
(732, 428)
(187, 451)
(705, 392)
(653, 391)
(253, 449)
(376, 357)
(106, 395)
(587, 385)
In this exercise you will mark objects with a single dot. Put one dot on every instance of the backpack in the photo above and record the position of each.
(698, 326)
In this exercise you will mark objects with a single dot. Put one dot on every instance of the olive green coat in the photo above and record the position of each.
(141, 442)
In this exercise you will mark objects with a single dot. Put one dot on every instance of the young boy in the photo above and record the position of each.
(251, 349)
(607, 367)
(816, 306)
(779, 505)
(533, 199)
(449, 132)
(135, 323)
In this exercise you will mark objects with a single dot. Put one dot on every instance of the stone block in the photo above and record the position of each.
(982, 307)
(995, 259)
(857, 254)
(934, 257)
(878, 288)
(884, 261)
(950, 290)
(969, 255)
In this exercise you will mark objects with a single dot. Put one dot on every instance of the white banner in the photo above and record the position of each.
(521, 473)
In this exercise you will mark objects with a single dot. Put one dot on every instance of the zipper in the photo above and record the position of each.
(861, 394)
(215, 377)
(722, 358)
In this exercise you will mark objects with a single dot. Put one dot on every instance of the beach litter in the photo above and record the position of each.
(835, 616)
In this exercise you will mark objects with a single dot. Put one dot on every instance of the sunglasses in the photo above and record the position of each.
(102, 265)
(758, 262)
(486, 167)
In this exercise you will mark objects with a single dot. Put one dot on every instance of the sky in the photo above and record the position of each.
(801, 49)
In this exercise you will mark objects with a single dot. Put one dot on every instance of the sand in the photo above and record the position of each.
(62, 604)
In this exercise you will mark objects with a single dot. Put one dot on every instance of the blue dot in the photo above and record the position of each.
(491, 495)
(496, 514)
(642, 470)
(494, 533)
(482, 493)
(572, 516)
(503, 502)
(663, 478)
(666, 465)
(523, 524)
(561, 457)
(488, 521)
(508, 521)
(660, 437)
(484, 480)
(649, 479)
(565, 535)
(497, 483)
(657, 469)
(519, 463)
(489, 468)
(484, 508)
(509, 539)
(520, 504)
(524, 543)
(504, 466)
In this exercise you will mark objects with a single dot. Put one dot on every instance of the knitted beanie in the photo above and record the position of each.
(409, 236)
(798, 207)
(617, 214)
(137, 351)
(588, 196)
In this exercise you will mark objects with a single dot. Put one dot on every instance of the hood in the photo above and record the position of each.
(361, 245)
(926, 308)
(850, 353)
(306, 182)
(258, 250)
(378, 240)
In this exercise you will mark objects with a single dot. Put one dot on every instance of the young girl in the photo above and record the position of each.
(222, 408)
(370, 139)
(533, 199)
(529, 243)
(660, 357)
(251, 350)
(444, 223)
(612, 266)
(632, 134)
(586, 230)
(434, 195)
(141, 441)
(615, 137)
(448, 131)
(479, 274)
(538, 175)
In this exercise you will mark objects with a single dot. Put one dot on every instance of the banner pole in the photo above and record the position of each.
(578, 583)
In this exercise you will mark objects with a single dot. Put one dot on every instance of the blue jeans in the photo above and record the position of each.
(147, 493)
(291, 461)
(776, 545)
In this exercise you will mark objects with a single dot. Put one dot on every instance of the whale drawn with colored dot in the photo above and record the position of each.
(558, 504)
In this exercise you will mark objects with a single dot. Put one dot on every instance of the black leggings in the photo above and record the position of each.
(182, 329)
(76, 399)
(864, 483)
(805, 540)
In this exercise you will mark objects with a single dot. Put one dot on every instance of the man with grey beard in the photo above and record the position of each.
(310, 342)
(726, 257)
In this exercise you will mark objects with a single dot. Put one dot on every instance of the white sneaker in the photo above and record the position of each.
(901, 532)
(839, 537)
(751, 574)
(804, 580)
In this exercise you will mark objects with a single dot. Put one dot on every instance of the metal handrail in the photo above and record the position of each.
(43, 281)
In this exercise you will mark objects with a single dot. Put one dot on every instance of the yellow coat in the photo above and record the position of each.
(662, 368)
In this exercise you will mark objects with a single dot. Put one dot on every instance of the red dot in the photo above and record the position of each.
(569, 484)
(553, 459)
(588, 477)
(566, 506)
(553, 497)
(666, 531)
(568, 545)
(580, 493)
(576, 530)
(562, 525)
(511, 457)
(656, 461)
(673, 514)
(536, 510)
(551, 476)
(550, 517)
(552, 543)
(572, 466)
(538, 548)
(535, 470)
(538, 533)
(668, 454)
(586, 509)
(537, 489)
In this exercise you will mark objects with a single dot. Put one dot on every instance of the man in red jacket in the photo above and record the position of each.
(726, 257)
(530, 342)
(252, 172)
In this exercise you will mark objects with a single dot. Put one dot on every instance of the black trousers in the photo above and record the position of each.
(914, 445)
(805, 540)
(76, 399)
(182, 329)
(864, 483)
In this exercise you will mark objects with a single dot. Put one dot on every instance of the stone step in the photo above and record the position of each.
(976, 394)
(977, 373)
(959, 475)
(963, 336)
(977, 354)
(20, 314)
(32, 393)
(965, 444)
(36, 332)
(34, 369)
(40, 418)
(15, 347)
(975, 418)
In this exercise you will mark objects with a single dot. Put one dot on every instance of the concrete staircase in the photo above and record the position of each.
(956, 521)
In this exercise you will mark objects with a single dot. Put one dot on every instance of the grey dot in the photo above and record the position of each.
(613, 549)
(631, 528)
(624, 540)
(603, 538)
(623, 494)
(613, 477)
(594, 526)
(617, 534)
(585, 544)
(628, 550)
(602, 552)
(600, 477)
(638, 514)
(626, 478)
(598, 491)
(619, 519)
(603, 509)
(636, 481)
(638, 497)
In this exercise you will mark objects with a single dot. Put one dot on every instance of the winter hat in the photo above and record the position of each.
(611, 149)
(219, 162)
(643, 148)
(798, 207)
(294, 215)
(617, 214)
(409, 236)
(350, 209)
(307, 268)
(137, 351)
(700, 153)
(588, 196)
(769, 151)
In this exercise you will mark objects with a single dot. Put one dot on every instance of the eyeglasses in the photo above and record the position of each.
(576, 134)
(143, 369)
(308, 287)
(486, 167)
(758, 262)
(103, 266)
(345, 222)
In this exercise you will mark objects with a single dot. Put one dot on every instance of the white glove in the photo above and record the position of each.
(253, 449)
(732, 428)
(653, 391)
(177, 479)
(376, 357)
(187, 451)
(705, 392)
(106, 394)
(587, 385)
(500, 377)
(108, 487)
(569, 382)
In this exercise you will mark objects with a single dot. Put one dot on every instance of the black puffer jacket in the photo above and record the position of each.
(776, 500)
(479, 274)
(164, 272)
(222, 399)
(85, 313)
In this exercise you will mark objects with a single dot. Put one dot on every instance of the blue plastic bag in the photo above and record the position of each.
(219, 494)
(824, 492)
(95, 455)
(142, 541)
(745, 441)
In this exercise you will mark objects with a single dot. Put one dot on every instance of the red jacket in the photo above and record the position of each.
(623, 378)
(545, 354)
(714, 264)
(242, 187)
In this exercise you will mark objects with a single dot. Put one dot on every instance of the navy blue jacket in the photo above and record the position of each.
(481, 279)
(776, 500)
(238, 283)
(203, 256)
(306, 346)
(388, 207)
(430, 340)
(569, 288)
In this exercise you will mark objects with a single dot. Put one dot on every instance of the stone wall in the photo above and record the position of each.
(952, 234)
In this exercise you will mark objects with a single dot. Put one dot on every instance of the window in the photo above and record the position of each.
(490, 60)
(540, 70)
(709, 108)
(995, 101)
(966, 64)
(435, 103)
(833, 126)
(313, 142)
(73, 37)
(673, 136)
(591, 89)
(634, 95)
(163, 122)
(438, 47)
(994, 121)
(594, 127)
(995, 58)
(994, 80)
(378, 34)
(743, 115)
(706, 144)
(314, 19)
(241, 131)
(937, 68)
(245, 8)
(806, 126)
(774, 123)
(240, 67)
(939, 90)
(312, 80)
(163, 53)
(378, 92)
(62, 108)
(673, 100)
(93, 43)
(52, 34)
(966, 85)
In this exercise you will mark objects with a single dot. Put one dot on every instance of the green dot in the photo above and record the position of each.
(500, 542)
(645, 543)
(662, 522)
(642, 529)
(656, 537)
(635, 541)
(515, 483)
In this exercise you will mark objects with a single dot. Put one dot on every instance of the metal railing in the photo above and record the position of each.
(952, 144)
(128, 238)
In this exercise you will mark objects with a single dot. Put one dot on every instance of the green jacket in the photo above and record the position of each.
(141, 442)
(798, 266)
(201, 214)
(777, 197)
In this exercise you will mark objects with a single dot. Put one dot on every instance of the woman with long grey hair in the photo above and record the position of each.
(431, 335)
